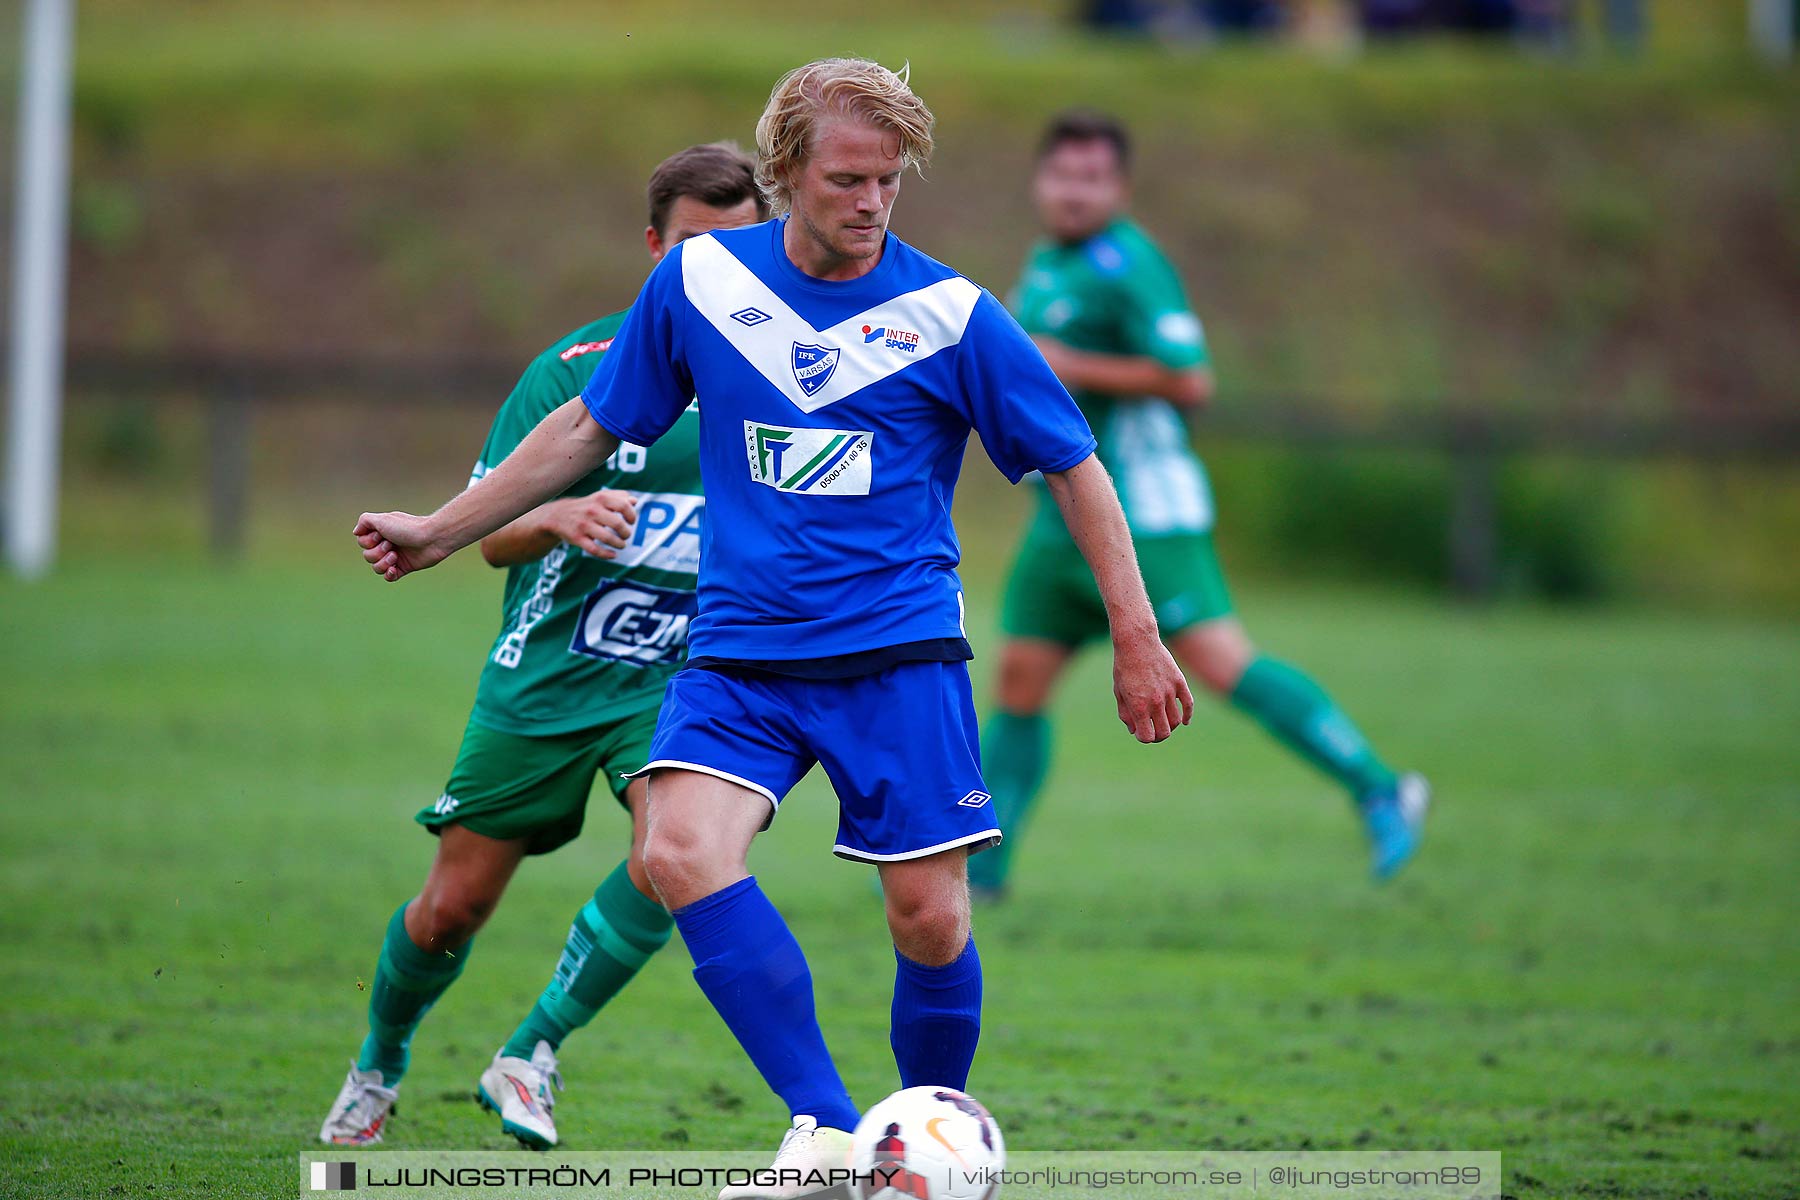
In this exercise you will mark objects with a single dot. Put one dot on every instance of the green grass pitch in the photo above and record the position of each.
(209, 777)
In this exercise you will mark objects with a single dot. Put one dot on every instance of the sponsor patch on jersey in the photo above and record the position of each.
(813, 365)
(580, 348)
(509, 651)
(634, 623)
(666, 534)
(894, 338)
(811, 462)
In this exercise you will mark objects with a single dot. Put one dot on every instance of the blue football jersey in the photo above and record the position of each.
(833, 421)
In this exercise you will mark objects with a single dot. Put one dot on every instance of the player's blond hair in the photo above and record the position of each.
(851, 87)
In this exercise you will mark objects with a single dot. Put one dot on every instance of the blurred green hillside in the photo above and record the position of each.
(1405, 226)
(1378, 234)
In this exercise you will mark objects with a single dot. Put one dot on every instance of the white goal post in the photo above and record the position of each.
(40, 266)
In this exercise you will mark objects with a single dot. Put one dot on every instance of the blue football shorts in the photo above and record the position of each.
(900, 746)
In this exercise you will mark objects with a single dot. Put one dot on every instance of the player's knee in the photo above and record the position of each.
(449, 919)
(660, 863)
(1016, 695)
(1219, 674)
(1022, 686)
(675, 855)
(930, 929)
(1218, 658)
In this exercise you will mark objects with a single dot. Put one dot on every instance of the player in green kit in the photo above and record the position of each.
(1109, 313)
(599, 593)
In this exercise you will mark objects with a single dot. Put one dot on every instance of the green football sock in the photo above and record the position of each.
(408, 982)
(1015, 756)
(614, 934)
(1299, 713)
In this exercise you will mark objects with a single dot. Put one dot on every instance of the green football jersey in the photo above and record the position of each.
(586, 640)
(1116, 293)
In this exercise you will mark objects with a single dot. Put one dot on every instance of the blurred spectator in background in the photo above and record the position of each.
(1536, 20)
(1241, 16)
(1548, 22)
(1178, 19)
(1119, 16)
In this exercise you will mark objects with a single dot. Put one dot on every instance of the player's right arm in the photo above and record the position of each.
(566, 445)
(640, 389)
(593, 523)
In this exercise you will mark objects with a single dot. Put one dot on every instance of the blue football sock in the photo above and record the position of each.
(751, 968)
(937, 1019)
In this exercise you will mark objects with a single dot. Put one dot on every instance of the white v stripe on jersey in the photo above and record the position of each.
(824, 541)
(717, 285)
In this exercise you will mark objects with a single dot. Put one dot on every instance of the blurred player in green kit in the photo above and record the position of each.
(1107, 310)
(599, 592)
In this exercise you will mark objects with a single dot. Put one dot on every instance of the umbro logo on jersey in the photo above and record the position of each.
(811, 462)
(896, 339)
(974, 799)
(813, 365)
(751, 316)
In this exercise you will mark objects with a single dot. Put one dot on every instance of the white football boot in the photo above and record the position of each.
(520, 1090)
(806, 1149)
(361, 1111)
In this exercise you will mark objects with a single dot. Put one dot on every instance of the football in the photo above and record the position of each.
(928, 1143)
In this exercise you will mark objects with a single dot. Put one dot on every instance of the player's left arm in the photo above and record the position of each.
(1152, 693)
(598, 524)
(1028, 422)
(1127, 374)
(1163, 351)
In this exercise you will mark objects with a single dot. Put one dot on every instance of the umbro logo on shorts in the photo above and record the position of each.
(751, 317)
(975, 799)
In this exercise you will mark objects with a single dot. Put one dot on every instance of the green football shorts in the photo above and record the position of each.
(1051, 594)
(505, 785)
